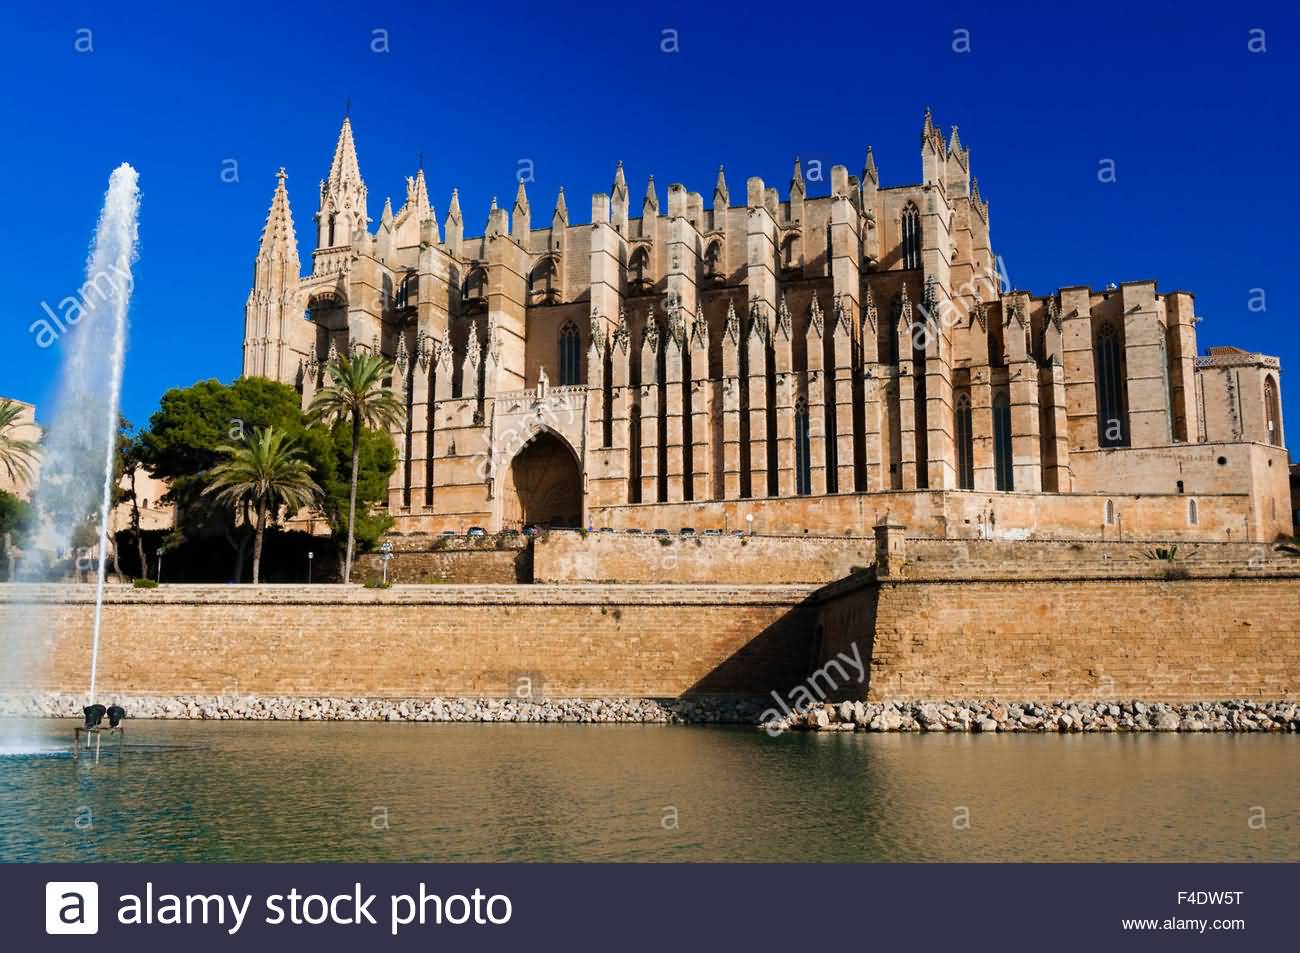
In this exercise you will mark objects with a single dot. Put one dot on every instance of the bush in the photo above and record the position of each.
(143, 583)
(375, 583)
(665, 540)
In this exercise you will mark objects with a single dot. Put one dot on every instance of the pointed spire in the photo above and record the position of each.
(387, 217)
(521, 197)
(651, 204)
(619, 188)
(453, 209)
(343, 193)
(796, 179)
(731, 327)
(344, 166)
(927, 129)
(869, 169)
(278, 240)
(954, 143)
(417, 197)
(721, 198)
(561, 216)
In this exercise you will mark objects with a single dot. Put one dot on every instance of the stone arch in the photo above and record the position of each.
(1272, 412)
(543, 484)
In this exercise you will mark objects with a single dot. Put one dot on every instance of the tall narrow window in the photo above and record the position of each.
(802, 450)
(965, 444)
(1112, 412)
(1002, 443)
(570, 355)
(638, 270)
(1110, 512)
(911, 223)
(1272, 412)
(1192, 516)
(541, 283)
(713, 261)
(1168, 390)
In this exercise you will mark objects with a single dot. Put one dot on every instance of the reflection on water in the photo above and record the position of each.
(418, 792)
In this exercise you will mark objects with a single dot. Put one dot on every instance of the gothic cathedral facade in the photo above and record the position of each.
(812, 363)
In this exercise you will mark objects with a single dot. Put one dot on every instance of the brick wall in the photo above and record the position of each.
(959, 513)
(752, 560)
(417, 641)
(1070, 638)
(461, 559)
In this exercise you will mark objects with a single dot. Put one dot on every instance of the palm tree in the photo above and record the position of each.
(357, 394)
(17, 455)
(267, 472)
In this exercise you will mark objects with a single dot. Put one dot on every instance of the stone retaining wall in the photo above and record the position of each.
(416, 641)
(1072, 637)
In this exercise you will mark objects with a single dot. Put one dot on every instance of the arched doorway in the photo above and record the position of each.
(544, 485)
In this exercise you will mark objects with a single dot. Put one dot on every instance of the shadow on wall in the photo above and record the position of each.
(789, 653)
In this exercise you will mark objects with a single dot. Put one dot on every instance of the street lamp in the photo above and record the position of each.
(310, 557)
(385, 554)
(160, 555)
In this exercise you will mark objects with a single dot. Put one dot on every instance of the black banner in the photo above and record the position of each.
(651, 907)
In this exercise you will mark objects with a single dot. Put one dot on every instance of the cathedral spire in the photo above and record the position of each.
(720, 197)
(386, 217)
(651, 205)
(278, 240)
(522, 216)
(869, 169)
(454, 227)
(619, 188)
(796, 179)
(343, 195)
(927, 128)
(954, 144)
(417, 197)
(561, 216)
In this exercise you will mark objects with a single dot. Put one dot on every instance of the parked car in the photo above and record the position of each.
(607, 529)
(448, 532)
(661, 532)
(531, 530)
(635, 530)
(476, 531)
(713, 532)
(510, 532)
(686, 531)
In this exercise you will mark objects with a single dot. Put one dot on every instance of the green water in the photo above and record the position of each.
(216, 791)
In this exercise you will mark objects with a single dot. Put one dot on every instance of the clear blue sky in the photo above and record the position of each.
(1201, 130)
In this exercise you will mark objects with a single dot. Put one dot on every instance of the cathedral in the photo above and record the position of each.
(782, 364)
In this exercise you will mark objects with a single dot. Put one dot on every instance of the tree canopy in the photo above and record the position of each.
(181, 445)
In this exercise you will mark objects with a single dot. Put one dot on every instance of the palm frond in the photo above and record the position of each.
(268, 468)
(17, 454)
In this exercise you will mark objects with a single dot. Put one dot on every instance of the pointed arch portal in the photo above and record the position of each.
(543, 485)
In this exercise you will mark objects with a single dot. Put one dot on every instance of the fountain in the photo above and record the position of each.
(76, 470)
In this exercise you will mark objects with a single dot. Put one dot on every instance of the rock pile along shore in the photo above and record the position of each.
(963, 716)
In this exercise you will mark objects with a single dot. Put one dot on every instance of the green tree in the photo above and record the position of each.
(181, 446)
(17, 454)
(330, 450)
(15, 523)
(265, 473)
(357, 394)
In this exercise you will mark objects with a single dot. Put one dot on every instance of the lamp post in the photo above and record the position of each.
(749, 518)
(160, 555)
(310, 556)
(385, 554)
